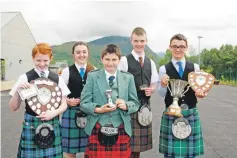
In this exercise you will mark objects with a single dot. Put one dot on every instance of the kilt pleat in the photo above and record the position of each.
(191, 146)
(141, 139)
(120, 150)
(74, 139)
(27, 147)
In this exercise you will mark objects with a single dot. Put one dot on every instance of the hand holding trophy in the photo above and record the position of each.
(201, 82)
(43, 97)
(108, 94)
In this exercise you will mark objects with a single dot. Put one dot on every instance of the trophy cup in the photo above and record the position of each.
(108, 94)
(143, 86)
(176, 91)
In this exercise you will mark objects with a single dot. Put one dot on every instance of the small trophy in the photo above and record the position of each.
(143, 86)
(176, 91)
(108, 94)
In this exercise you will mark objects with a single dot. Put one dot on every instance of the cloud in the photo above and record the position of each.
(58, 21)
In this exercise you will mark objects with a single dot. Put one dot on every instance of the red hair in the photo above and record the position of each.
(42, 48)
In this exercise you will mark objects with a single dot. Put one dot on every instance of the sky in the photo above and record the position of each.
(59, 21)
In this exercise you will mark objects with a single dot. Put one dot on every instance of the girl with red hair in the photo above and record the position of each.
(41, 55)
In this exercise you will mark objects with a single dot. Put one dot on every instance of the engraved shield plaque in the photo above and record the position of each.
(48, 98)
(201, 81)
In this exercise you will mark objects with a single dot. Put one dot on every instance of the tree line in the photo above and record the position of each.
(222, 62)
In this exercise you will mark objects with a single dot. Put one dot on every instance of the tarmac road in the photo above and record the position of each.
(218, 114)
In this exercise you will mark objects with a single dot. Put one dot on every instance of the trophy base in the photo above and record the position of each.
(112, 105)
(174, 110)
(173, 114)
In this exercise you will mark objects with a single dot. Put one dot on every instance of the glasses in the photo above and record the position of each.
(178, 47)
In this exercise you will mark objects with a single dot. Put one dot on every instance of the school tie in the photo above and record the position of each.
(111, 81)
(181, 70)
(42, 74)
(141, 61)
(82, 72)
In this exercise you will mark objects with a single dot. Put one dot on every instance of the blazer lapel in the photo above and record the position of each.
(121, 81)
(102, 84)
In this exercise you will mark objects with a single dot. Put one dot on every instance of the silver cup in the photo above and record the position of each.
(143, 86)
(108, 94)
(177, 91)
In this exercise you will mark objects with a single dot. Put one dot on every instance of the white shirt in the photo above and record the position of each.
(23, 79)
(162, 72)
(123, 65)
(65, 72)
(107, 75)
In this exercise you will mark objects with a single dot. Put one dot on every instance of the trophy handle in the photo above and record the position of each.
(185, 91)
(170, 90)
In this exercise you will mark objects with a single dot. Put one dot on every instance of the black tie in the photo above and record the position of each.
(42, 74)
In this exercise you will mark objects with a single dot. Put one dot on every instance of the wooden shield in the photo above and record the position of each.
(48, 98)
(201, 80)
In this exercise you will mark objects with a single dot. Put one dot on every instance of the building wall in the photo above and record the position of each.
(17, 43)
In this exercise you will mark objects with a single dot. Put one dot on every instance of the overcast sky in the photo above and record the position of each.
(59, 21)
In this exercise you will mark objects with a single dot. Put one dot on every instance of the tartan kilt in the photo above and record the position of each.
(191, 146)
(74, 139)
(120, 150)
(27, 147)
(141, 139)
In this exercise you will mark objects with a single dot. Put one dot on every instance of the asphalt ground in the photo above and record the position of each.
(218, 113)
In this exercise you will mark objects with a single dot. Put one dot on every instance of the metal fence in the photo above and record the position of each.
(229, 74)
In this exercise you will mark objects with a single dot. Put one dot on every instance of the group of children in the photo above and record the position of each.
(113, 128)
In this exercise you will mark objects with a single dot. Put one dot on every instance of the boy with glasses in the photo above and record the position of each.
(179, 68)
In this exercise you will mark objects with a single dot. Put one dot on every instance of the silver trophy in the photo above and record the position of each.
(108, 94)
(143, 86)
(176, 91)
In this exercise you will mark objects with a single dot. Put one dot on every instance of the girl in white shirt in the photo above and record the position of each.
(41, 55)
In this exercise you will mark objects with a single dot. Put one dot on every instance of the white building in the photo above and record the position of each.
(17, 42)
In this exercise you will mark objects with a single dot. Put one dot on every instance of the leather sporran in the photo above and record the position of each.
(108, 135)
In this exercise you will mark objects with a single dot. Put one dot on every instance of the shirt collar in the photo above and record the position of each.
(108, 75)
(45, 71)
(174, 61)
(136, 56)
(79, 66)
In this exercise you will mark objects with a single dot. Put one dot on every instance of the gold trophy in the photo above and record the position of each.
(176, 91)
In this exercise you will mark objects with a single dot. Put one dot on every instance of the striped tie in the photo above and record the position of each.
(42, 74)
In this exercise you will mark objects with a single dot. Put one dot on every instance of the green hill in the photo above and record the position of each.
(64, 51)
